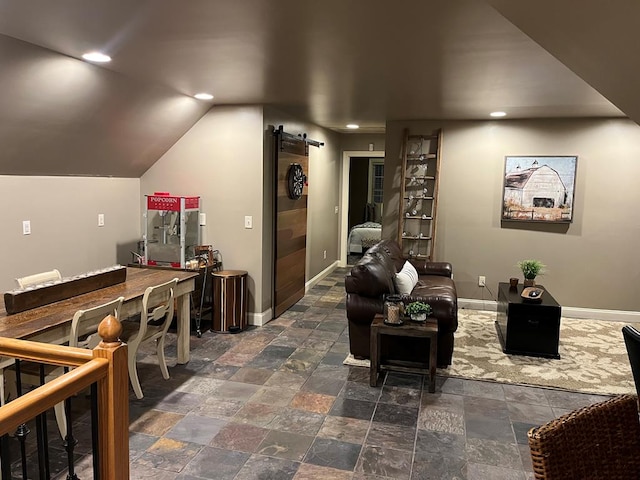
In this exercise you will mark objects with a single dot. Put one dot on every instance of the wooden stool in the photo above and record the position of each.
(428, 329)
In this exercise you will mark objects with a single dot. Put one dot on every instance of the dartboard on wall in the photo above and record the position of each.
(295, 181)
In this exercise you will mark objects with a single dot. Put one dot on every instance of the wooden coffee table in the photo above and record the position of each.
(428, 329)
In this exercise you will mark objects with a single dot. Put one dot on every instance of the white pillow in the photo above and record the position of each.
(406, 279)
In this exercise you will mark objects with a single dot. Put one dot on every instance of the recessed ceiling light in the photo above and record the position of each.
(498, 114)
(96, 57)
(203, 96)
(353, 126)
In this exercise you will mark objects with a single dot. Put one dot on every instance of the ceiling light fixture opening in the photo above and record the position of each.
(203, 96)
(96, 57)
(353, 126)
(498, 114)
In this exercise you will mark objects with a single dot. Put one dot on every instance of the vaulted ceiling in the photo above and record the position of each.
(330, 63)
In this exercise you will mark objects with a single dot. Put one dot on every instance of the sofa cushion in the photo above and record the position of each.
(372, 276)
(389, 249)
(405, 279)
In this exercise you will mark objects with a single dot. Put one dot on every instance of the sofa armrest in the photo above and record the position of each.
(425, 267)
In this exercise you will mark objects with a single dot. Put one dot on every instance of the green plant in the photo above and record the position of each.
(531, 268)
(417, 307)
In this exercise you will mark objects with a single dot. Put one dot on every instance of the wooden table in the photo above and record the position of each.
(428, 329)
(52, 323)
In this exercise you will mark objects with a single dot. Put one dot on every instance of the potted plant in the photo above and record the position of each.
(531, 269)
(418, 311)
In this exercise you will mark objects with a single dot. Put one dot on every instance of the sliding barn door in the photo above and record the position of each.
(292, 166)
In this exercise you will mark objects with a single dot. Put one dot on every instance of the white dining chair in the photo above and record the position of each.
(157, 313)
(84, 334)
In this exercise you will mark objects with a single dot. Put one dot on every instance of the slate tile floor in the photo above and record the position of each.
(276, 402)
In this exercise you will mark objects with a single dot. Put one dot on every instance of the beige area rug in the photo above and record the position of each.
(593, 357)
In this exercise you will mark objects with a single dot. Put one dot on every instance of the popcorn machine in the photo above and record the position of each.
(172, 230)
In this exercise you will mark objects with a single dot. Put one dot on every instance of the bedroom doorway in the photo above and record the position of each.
(361, 194)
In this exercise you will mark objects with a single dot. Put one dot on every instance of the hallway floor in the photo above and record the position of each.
(276, 402)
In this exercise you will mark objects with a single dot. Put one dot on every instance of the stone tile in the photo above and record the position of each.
(360, 409)
(476, 388)
(529, 395)
(349, 430)
(196, 429)
(327, 452)
(274, 396)
(323, 384)
(286, 380)
(230, 390)
(442, 421)
(525, 457)
(485, 407)
(239, 436)
(292, 446)
(221, 372)
(442, 401)
(218, 407)
(256, 376)
(385, 462)
(440, 444)
(215, 463)
(168, 454)
(139, 443)
(477, 471)
(360, 391)
(535, 414)
(155, 422)
(407, 397)
(395, 414)
(257, 414)
(178, 402)
(297, 421)
(259, 467)
(520, 430)
(312, 402)
(235, 358)
(450, 385)
(319, 345)
(406, 380)
(571, 400)
(200, 385)
(489, 429)
(439, 467)
(494, 453)
(140, 471)
(395, 437)
(308, 471)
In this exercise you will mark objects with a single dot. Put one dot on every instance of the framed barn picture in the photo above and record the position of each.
(539, 188)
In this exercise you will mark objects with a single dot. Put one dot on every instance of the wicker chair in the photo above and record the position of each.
(598, 442)
(632, 341)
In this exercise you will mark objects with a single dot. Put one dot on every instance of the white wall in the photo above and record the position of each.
(63, 212)
(592, 263)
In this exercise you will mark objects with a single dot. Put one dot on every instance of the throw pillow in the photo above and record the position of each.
(406, 279)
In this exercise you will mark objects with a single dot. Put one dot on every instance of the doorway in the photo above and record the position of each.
(344, 195)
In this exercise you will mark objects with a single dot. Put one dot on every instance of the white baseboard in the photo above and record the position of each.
(260, 319)
(313, 281)
(568, 312)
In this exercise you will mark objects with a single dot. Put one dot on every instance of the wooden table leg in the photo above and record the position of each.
(433, 358)
(184, 327)
(373, 354)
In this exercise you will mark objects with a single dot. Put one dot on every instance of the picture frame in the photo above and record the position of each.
(539, 188)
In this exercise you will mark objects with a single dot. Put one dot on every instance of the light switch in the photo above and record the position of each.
(248, 221)
(26, 227)
(101, 219)
(203, 219)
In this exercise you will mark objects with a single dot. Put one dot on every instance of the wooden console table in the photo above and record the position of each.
(51, 323)
(428, 329)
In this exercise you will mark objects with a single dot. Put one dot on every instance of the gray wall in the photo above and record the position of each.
(63, 212)
(592, 263)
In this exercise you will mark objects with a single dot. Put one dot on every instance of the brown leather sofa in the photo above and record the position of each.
(371, 280)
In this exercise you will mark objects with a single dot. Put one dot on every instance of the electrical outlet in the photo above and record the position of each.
(101, 219)
(248, 221)
(481, 280)
(26, 227)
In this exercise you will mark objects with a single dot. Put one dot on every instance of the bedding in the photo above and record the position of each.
(363, 236)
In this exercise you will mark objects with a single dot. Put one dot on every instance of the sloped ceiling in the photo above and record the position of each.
(330, 63)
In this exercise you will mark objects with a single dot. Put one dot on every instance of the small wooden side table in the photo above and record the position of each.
(428, 329)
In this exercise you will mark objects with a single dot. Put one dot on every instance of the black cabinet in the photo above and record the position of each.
(526, 328)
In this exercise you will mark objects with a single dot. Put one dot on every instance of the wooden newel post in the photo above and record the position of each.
(113, 403)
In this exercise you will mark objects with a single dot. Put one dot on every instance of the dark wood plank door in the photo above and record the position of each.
(290, 226)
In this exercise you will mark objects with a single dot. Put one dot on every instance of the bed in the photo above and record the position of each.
(363, 236)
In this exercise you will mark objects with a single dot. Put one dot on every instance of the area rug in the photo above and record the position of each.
(593, 357)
